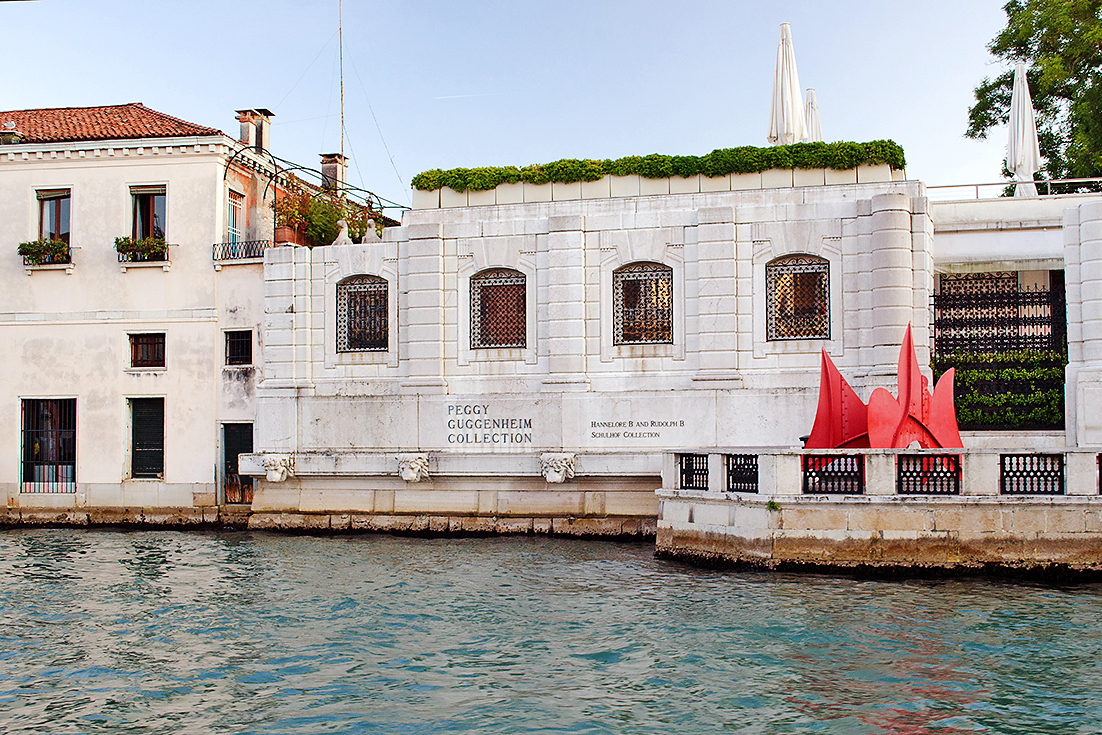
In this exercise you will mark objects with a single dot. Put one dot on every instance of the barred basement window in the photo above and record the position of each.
(642, 304)
(239, 347)
(49, 445)
(362, 323)
(498, 309)
(797, 292)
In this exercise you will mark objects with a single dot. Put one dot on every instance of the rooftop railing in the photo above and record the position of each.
(999, 189)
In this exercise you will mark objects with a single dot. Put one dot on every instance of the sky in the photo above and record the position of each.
(437, 84)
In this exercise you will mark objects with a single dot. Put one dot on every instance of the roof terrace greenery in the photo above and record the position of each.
(720, 162)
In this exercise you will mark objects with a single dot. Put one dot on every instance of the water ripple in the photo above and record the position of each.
(156, 632)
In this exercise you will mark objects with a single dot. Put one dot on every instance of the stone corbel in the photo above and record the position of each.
(413, 467)
(279, 467)
(557, 467)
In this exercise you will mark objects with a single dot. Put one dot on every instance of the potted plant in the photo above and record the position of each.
(144, 248)
(44, 252)
(308, 216)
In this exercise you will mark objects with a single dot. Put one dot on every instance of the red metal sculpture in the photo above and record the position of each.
(888, 422)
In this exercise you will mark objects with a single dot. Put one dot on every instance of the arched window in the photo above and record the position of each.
(498, 309)
(642, 304)
(362, 314)
(797, 292)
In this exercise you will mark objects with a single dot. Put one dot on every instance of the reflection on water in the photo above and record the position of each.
(197, 633)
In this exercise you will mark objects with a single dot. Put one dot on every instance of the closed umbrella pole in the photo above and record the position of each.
(786, 114)
(1023, 151)
(811, 119)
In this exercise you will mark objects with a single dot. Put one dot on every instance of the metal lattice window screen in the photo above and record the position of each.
(49, 445)
(797, 289)
(742, 473)
(498, 309)
(362, 314)
(694, 471)
(928, 474)
(990, 312)
(1031, 474)
(642, 304)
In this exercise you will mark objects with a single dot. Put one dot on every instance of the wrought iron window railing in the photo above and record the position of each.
(742, 473)
(983, 313)
(241, 250)
(160, 257)
(928, 474)
(797, 288)
(1031, 474)
(642, 308)
(693, 470)
(842, 474)
(498, 309)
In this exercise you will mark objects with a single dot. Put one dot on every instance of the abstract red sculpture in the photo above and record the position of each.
(888, 422)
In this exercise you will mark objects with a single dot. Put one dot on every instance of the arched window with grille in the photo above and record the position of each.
(498, 309)
(362, 314)
(642, 306)
(797, 292)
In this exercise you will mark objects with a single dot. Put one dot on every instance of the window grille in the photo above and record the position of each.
(742, 473)
(237, 440)
(694, 471)
(147, 438)
(239, 347)
(928, 474)
(362, 314)
(147, 350)
(842, 474)
(498, 309)
(49, 445)
(1031, 474)
(797, 289)
(642, 304)
(235, 219)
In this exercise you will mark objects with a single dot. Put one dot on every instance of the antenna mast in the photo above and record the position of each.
(340, 44)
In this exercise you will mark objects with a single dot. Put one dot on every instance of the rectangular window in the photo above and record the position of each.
(237, 440)
(147, 350)
(49, 445)
(149, 212)
(147, 437)
(53, 215)
(239, 348)
(235, 218)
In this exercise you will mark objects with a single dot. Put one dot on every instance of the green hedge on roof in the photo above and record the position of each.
(720, 162)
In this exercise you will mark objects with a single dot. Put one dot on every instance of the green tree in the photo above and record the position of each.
(1061, 43)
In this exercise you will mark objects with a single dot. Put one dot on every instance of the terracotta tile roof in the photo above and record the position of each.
(111, 122)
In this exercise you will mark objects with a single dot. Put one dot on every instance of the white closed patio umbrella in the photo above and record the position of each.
(811, 119)
(786, 114)
(1023, 152)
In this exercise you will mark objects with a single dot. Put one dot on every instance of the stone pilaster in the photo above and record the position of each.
(422, 287)
(566, 304)
(892, 279)
(1083, 284)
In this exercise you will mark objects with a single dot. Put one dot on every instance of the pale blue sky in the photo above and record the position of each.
(497, 83)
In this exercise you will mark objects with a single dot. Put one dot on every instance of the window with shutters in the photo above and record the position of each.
(498, 309)
(147, 350)
(797, 292)
(147, 437)
(362, 314)
(642, 306)
(49, 445)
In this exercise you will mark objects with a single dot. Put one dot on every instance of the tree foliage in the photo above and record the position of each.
(1060, 42)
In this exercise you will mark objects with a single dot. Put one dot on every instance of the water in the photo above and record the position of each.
(251, 633)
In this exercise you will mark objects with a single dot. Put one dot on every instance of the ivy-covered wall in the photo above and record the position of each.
(720, 162)
(1007, 390)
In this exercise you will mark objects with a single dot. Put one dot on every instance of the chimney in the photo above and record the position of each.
(256, 127)
(333, 169)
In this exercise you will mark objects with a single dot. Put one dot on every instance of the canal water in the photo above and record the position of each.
(167, 632)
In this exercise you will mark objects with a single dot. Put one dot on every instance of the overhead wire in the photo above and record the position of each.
(308, 67)
(379, 128)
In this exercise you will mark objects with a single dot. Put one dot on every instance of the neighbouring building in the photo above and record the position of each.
(130, 371)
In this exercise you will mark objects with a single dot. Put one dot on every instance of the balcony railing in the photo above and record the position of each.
(241, 250)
